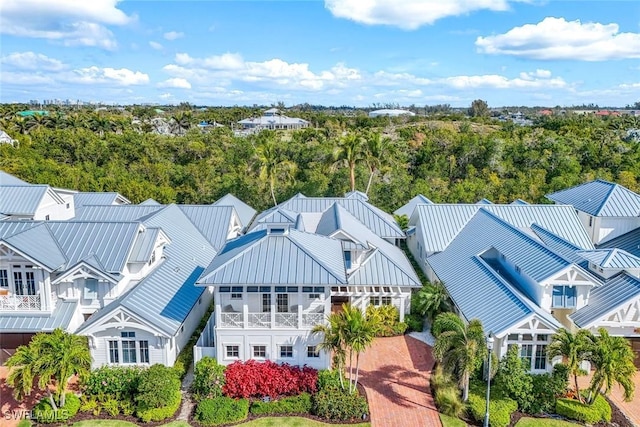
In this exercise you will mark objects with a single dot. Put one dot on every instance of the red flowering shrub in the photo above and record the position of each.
(259, 379)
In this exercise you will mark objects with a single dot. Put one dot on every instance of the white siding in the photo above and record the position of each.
(99, 345)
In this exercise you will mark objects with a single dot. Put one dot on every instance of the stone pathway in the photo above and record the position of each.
(187, 403)
(395, 374)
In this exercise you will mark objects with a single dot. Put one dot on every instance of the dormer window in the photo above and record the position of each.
(153, 258)
(564, 297)
(347, 259)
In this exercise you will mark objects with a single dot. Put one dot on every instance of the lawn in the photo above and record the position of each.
(543, 422)
(448, 421)
(262, 422)
(117, 423)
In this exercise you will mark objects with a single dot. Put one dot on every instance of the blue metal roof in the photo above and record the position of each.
(484, 202)
(264, 257)
(630, 242)
(519, 202)
(21, 199)
(440, 223)
(466, 275)
(411, 205)
(150, 202)
(116, 212)
(144, 245)
(214, 222)
(39, 244)
(600, 198)
(611, 258)
(39, 321)
(8, 179)
(607, 298)
(88, 198)
(244, 211)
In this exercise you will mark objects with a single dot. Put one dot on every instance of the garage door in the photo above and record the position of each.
(635, 345)
(9, 343)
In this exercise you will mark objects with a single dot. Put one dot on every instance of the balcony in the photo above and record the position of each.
(271, 320)
(20, 303)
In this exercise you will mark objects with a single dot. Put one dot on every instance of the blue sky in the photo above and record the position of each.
(331, 52)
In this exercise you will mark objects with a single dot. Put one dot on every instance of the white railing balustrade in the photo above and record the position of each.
(231, 320)
(20, 302)
(312, 319)
(287, 320)
(259, 320)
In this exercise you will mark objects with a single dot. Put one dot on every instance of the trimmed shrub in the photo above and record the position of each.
(156, 386)
(45, 413)
(161, 413)
(500, 406)
(208, 379)
(448, 401)
(113, 382)
(328, 378)
(546, 389)
(300, 404)
(389, 324)
(514, 378)
(599, 410)
(339, 405)
(221, 410)
(127, 407)
(259, 379)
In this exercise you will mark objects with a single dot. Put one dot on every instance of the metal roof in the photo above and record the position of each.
(8, 179)
(607, 298)
(213, 221)
(39, 244)
(600, 198)
(466, 275)
(411, 205)
(275, 216)
(440, 223)
(379, 269)
(149, 202)
(264, 257)
(244, 211)
(21, 199)
(630, 242)
(611, 258)
(558, 244)
(88, 198)
(484, 202)
(116, 212)
(144, 245)
(38, 321)
(519, 202)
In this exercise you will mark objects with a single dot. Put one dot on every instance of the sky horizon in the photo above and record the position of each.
(322, 52)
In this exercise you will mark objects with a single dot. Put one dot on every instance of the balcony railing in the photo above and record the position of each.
(231, 320)
(312, 319)
(286, 320)
(270, 320)
(259, 320)
(20, 303)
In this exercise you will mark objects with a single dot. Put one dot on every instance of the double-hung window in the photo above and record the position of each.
(564, 297)
(128, 347)
(90, 289)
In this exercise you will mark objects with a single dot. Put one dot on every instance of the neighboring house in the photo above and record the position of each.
(275, 120)
(301, 261)
(82, 199)
(6, 139)
(607, 210)
(407, 209)
(390, 113)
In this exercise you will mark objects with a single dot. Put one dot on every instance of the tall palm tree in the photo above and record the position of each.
(272, 165)
(359, 332)
(376, 154)
(574, 348)
(333, 342)
(613, 359)
(349, 152)
(432, 299)
(460, 348)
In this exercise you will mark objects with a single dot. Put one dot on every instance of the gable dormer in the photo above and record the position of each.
(606, 263)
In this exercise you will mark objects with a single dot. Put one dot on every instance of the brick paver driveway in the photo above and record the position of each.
(395, 373)
(630, 409)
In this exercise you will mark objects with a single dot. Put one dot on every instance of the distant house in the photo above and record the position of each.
(275, 120)
(545, 112)
(390, 113)
(6, 139)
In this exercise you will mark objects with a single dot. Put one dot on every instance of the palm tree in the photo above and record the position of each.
(459, 347)
(273, 166)
(376, 154)
(432, 299)
(53, 358)
(359, 332)
(574, 348)
(333, 342)
(613, 360)
(349, 152)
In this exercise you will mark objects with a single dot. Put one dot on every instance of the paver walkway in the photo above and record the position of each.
(630, 409)
(187, 403)
(395, 373)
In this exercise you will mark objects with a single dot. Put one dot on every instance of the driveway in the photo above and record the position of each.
(395, 374)
(630, 409)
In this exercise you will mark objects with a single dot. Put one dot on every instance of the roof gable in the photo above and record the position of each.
(244, 211)
(600, 198)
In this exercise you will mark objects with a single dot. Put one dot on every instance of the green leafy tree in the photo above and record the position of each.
(377, 153)
(349, 152)
(612, 358)
(574, 348)
(273, 166)
(459, 347)
(479, 108)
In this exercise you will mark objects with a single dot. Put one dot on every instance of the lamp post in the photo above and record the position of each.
(490, 348)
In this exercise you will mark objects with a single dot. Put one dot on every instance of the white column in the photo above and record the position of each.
(402, 297)
(245, 316)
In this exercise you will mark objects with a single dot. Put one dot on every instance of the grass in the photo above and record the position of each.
(543, 422)
(448, 421)
(261, 422)
(118, 423)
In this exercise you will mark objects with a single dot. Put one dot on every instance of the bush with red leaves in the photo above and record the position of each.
(259, 379)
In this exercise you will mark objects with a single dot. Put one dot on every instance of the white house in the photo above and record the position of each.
(275, 120)
(391, 113)
(6, 139)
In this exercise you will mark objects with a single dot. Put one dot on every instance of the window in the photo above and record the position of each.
(236, 296)
(313, 352)
(347, 259)
(542, 337)
(128, 351)
(144, 351)
(90, 289)
(564, 297)
(590, 221)
(374, 300)
(527, 337)
(260, 351)
(225, 289)
(319, 289)
(237, 289)
(526, 352)
(512, 337)
(378, 301)
(252, 289)
(286, 351)
(233, 351)
(46, 217)
(385, 300)
(540, 361)
(128, 334)
(113, 352)
(307, 289)
(24, 284)
(282, 303)
(314, 296)
(266, 303)
(4, 279)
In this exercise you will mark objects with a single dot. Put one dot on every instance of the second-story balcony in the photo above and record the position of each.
(20, 303)
(271, 320)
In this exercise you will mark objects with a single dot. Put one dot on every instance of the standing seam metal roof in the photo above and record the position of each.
(630, 242)
(611, 258)
(244, 211)
(21, 199)
(600, 198)
(605, 299)
(60, 318)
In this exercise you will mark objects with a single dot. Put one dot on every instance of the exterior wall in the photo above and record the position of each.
(159, 347)
(246, 339)
(416, 247)
(608, 228)
(56, 211)
(11, 262)
(189, 326)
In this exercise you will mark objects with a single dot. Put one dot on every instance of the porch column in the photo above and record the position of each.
(273, 309)
(401, 307)
(245, 316)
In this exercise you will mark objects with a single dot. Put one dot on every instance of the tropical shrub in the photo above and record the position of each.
(156, 386)
(111, 407)
(547, 388)
(88, 404)
(388, 320)
(46, 414)
(113, 382)
(500, 406)
(259, 379)
(163, 412)
(414, 322)
(339, 405)
(514, 378)
(300, 404)
(221, 410)
(599, 410)
(208, 379)
(448, 401)
(328, 378)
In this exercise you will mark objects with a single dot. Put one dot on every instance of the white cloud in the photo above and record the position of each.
(495, 81)
(72, 22)
(32, 61)
(558, 39)
(408, 14)
(166, 95)
(156, 45)
(173, 35)
(177, 82)
(96, 75)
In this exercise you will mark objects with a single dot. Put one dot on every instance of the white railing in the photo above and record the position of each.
(312, 319)
(20, 302)
(259, 320)
(286, 320)
(231, 320)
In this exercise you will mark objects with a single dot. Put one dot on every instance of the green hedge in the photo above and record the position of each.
(500, 408)
(338, 405)
(599, 410)
(328, 378)
(208, 379)
(162, 413)
(300, 404)
(221, 410)
(45, 413)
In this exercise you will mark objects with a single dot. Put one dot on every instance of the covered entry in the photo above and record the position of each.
(10, 342)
